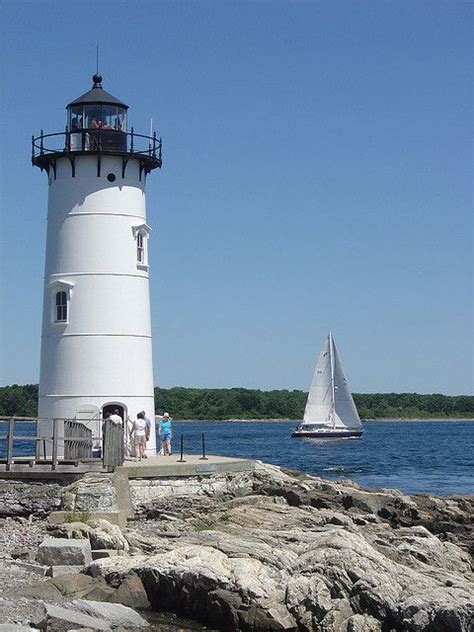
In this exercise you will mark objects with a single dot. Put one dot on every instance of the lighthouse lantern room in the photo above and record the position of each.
(96, 347)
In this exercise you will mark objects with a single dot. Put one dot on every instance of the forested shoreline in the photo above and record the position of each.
(243, 403)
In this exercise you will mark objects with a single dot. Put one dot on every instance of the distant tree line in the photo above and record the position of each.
(244, 403)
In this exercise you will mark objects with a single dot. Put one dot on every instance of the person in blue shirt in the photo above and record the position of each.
(164, 430)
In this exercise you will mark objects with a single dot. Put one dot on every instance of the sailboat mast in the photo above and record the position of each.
(333, 390)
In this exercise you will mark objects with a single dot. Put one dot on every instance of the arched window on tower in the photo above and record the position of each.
(141, 234)
(61, 307)
(140, 248)
(61, 292)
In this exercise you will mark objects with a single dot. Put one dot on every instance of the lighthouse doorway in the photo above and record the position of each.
(113, 408)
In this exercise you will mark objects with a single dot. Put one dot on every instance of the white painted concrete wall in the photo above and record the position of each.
(104, 353)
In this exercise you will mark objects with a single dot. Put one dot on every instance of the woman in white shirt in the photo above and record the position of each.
(139, 435)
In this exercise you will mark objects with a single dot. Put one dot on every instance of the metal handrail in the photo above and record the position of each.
(54, 441)
(97, 136)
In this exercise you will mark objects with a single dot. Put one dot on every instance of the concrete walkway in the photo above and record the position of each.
(193, 465)
(26, 468)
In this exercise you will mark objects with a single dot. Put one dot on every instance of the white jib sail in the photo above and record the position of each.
(346, 411)
(330, 401)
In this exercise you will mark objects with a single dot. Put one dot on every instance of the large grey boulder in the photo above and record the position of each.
(115, 614)
(59, 619)
(131, 592)
(64, 588)
(62, 552)
(101, 534)
(37, 569)
(45, 591)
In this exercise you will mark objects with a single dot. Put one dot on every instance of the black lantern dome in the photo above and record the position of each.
(97, 108)
(97, 94)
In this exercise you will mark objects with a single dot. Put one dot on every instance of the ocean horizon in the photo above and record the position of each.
(414, 456)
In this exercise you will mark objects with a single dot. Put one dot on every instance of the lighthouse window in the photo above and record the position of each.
(61, 307)
(61, 292)
(140, 234)
(140, 248)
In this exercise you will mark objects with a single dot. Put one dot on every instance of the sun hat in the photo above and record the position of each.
(166, 415)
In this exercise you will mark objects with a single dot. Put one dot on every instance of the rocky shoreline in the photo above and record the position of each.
(269, 550)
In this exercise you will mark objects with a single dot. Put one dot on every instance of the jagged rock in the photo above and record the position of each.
(131, 592)
(24, 499)
(363, 623)
(105, 593)
(45, 591)
(58, 571)
(98, 554)
(37, 569)
(285, 551)
(61, 552)
(297, 554)
(107, 536)
(64, 587)
(23, 554)
(114, 613)
(77, 585)
(60, 619)
(101, 534)
(75, 530)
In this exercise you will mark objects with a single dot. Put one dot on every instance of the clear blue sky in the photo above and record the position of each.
(317, 174)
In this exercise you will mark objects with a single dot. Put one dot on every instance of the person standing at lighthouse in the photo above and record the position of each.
(96, 307)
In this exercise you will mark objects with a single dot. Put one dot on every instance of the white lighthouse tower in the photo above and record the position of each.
(96, 347)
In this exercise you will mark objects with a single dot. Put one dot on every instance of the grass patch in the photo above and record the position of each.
(78, 516)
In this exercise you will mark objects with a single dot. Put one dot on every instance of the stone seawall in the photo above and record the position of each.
(147, 490)
(33, 498)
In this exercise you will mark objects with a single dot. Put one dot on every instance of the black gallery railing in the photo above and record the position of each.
(103, 140)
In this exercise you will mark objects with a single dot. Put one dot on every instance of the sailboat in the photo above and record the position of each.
(330, 410)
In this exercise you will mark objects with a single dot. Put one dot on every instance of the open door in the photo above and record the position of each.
(113, 408)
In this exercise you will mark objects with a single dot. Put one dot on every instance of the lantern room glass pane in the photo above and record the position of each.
(109, 117)
(93, 116)
(75, 118)
(120, 122)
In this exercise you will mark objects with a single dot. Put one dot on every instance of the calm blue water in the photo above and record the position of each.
(414, 456)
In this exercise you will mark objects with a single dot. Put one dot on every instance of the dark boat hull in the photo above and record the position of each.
(326, 434)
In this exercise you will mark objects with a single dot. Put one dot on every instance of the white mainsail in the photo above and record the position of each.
(320, 404)
(329, 401)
